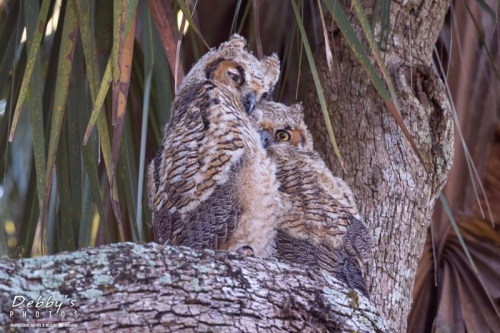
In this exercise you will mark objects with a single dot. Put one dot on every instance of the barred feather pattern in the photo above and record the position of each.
(211, 184)
(323, 229)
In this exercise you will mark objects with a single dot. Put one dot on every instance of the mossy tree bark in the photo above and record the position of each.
(132, 287)
(396, 194)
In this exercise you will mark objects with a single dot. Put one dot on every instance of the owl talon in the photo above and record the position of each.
(245, 251)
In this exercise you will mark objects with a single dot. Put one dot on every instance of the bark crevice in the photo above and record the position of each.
(129, 287)
(394, 191)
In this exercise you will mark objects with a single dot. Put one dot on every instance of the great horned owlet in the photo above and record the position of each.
(323, 228)
(211, 184)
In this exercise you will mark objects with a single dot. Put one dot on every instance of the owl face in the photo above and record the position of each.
(282, 129)
(232, 66)
(243, 81)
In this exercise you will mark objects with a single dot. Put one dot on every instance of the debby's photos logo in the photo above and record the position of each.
(42, 307)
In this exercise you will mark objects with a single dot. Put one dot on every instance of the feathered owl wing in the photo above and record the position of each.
(322, 230)
(190, 184)
(322, 255)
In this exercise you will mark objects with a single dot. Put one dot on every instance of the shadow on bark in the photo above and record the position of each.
(131, 287)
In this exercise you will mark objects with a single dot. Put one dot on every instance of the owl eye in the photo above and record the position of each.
(265, 96)
(282, 135)
(235, 77)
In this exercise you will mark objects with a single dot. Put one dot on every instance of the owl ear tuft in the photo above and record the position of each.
(297, 110)
(236, 41)
(272, 62)
(271, 65)
(298, 107)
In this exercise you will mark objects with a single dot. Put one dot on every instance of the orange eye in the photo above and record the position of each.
(283, 136)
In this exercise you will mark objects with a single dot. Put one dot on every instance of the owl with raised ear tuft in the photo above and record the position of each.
(211, 184)
(323, 228)
(231, 60)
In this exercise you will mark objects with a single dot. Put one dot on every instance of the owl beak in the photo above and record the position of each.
(265, 138)
(249, 102)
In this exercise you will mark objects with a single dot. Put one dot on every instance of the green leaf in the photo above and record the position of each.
(29, 219)
(99, 101)
(163, 88)
(17, 78)
(235, 17)
(91, 187)
(142, 154)
(69, 35)
(163, 17)
(122, 65)
(244, 17)
(90, 165)
(352, 40)
(189, 18)
(111, 71)
(127, 174)
(84, 15)
(149, 63)
(256, 23)
(66, 239)
(77, 104)
(35, 104)
(286, 64)
(9, 27)
(317, 82)
(374, 18)
(390, 100)
(87, 214)
(32, 56)
(385, 23)
(51, 243)
(9, 39)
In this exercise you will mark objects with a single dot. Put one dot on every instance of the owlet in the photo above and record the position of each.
(323, 228)
(211, 184)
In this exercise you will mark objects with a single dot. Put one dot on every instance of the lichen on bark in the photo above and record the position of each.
(131, 287)
(395, 192)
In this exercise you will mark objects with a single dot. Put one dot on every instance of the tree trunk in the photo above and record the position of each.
(395, 193)
(132, 287)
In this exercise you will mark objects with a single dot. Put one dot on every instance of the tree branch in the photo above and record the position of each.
(394, 192)
(130, 286)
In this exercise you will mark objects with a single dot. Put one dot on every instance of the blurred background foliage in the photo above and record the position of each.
(67, 65)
